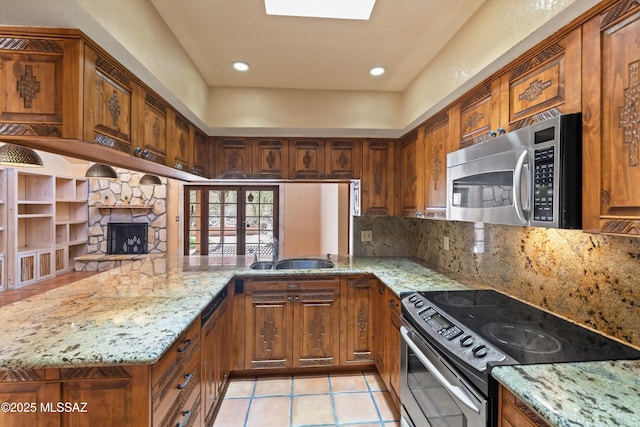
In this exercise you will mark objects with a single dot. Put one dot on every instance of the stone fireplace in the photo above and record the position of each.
(124, 201)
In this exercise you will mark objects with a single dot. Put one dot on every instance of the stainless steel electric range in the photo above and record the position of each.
(452, 339)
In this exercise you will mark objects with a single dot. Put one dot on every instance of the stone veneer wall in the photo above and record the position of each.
(124, 191)
(591, 279)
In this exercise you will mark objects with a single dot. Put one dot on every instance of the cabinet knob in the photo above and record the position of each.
(501, 131)
(289, 298)
(184, 348)
(186, 381)
(492, 133)
(297, 298)
(186, 414)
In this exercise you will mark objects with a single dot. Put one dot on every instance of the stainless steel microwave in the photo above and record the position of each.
(530, 177)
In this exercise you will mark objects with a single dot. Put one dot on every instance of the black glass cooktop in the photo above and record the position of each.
(526, 333)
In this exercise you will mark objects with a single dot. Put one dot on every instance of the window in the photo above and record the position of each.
(224, 221)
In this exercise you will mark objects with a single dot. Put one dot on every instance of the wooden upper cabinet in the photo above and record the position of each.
(479, 115)
(179, 142)
(271, 159)
(377, 178)
(437, 144)
(151, 115)
(306, 159)
(410, 166)
(545, 83)
(108, 102)
(611, 159)
(201, 161)
(39, 82)
(233, 158)
(343, 159)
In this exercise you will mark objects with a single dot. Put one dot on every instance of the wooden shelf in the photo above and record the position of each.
(101, 206)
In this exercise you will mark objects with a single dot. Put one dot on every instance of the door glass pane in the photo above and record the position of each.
(195, 221)
(259, 219)
(223, 223)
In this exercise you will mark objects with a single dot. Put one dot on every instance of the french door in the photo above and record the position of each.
(225, 221)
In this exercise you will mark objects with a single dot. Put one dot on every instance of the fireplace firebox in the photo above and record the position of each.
(127, 238)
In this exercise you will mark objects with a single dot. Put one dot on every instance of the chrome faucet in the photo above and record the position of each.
(274, 250)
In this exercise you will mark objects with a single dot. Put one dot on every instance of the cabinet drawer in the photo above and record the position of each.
(177, 373)
(180, 401)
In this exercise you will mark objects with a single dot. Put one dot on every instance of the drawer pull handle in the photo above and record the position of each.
(186, 343)
(184, 384)
(187, 415)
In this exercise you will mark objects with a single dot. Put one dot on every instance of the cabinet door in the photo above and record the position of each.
(343, 159)
(306, 159)
(411, 175)
(547, 83)
(381, 310)
(32, 74)
(268, 329)
(479, 114)
(151, 118)
(108, 101)
(436, 139)
(200, 156)
(27, 268)
(28, 386)
(611, 159)
(114, 396)
(316, 326)
(180, 141)
(215, 360)
(271, 159)
(359, 295)
(512, 412)
(393, 345)
(377, 178)
(233, 158)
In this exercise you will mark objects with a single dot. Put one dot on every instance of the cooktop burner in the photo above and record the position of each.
(465, 321)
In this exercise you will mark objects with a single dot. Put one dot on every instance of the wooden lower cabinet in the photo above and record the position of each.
(392, 341)
(215, 360)
(512, 412)
(292, 323)
(358, 305)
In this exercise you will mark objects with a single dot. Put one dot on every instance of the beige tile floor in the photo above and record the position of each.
(358, 400)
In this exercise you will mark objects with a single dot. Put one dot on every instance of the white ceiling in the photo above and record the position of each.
(313, 53)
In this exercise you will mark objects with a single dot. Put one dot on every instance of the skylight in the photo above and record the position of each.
(336, 9)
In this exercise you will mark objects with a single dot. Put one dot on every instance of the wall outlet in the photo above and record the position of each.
(366, 236)
(445, 243)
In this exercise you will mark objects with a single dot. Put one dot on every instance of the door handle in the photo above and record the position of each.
(517, 180)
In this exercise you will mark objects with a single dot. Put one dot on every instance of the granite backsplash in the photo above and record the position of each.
(591, 279)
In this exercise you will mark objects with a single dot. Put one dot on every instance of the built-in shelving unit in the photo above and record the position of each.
(47, 224)
(3, 229)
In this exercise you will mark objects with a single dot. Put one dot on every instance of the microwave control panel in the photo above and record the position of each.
(543, 192)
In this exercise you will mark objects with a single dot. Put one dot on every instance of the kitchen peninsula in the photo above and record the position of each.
(114, 328)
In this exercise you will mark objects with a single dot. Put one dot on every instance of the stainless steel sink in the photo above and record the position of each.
(261, 265)
(303, 264)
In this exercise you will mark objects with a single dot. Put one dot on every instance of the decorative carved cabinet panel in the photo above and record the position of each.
(343, 159)
(152, 127)
(108, 101)
(201, 159)
(436, 139)
(216, 360)
(358, 306)
(233, 158)
(271, 159)
(410, 173)
(479, 114)
(292, 323)
(549, 79)
(306, 159)
(377, 178)
(180, 142)
(32, 73)
(611, 196)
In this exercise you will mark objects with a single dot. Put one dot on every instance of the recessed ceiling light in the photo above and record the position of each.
(377, 71)
(338, 9)
(240, 66)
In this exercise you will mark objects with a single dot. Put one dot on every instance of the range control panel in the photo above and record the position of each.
(434, 324)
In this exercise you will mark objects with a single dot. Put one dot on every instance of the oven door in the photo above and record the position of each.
(432, 391)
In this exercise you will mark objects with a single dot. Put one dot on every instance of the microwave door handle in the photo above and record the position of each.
(517, 178)
(453, 389)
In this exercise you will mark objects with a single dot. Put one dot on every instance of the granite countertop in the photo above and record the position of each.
(585, 394)
(132, 314)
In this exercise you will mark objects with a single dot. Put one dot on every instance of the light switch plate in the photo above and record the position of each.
(366, 236)
(445, 243)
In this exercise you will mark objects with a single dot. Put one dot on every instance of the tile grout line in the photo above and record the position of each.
(375, 404)
(253, 390)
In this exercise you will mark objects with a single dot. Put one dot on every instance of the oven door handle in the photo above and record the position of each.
(453, 389)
